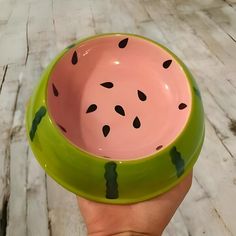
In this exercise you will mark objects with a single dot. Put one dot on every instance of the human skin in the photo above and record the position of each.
(143, 218)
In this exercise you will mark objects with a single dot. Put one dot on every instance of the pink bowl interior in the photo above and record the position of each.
(119, 97)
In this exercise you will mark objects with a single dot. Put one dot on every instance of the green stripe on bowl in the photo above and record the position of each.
(37, 119)
(178, 161)
(111, 180)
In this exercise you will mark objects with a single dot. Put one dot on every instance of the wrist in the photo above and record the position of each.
(125, 233)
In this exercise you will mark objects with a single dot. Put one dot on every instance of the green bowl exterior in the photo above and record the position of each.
(102, 180)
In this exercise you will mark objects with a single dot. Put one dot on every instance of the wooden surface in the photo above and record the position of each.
(201, 33)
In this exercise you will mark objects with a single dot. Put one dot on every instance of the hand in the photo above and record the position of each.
(143, 218)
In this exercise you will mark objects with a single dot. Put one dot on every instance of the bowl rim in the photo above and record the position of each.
(140, 158)
(123, 166)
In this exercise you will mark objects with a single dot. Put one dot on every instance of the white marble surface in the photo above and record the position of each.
(201, 33)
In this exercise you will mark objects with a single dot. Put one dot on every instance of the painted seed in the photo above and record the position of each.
(105, 130)
(182, 106)
(123, 43)
(142, 95)
(136, 123)
(62, 128)
(74, 58)
(107, 85)
(167, 63)
(159, 147)
(91, 108)
(119, 109)
(55, 91)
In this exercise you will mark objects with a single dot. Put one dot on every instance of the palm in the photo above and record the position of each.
(144, 218)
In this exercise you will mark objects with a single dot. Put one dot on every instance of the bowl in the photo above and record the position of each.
(116, 118)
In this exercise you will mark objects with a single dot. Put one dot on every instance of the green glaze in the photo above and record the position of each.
(97, 179)
(37, 119)
(177, 160)
(71, 46)
(197, 92)
(111, 183)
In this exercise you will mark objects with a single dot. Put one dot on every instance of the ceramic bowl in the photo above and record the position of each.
(116, 118)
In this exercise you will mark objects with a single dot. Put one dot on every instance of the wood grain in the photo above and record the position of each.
(201, 33)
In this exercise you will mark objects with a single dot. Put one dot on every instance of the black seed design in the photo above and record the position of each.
(74, 59)
(136, 123)
(107, 84)
(142, 96)
(167, 63)
(62, 128)
(55, 91)
(119, 109)
(159, 147)
(123, 43)
(182, 106)
(105, 130)
(91, 108)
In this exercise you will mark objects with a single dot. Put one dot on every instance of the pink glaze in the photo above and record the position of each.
(137, 66)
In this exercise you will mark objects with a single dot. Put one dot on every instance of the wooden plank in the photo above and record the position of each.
(8, 95)
(101, 21)
(192, 6)
(230, 2)
(32, 217)
(202, 218)
(41, 36)
(17, 202)
(121, 20)
(230, 144)
(177, 226)
(27, 180)
(18, 158)
(3, 70)
(225, 17)
(37, 212)
(13, 45)
(137, 11)
(36, 218)
(4, 163)
(219, 43)
(149, 30)
(222, 167)
(40, 50)
(15, 151)
(6, 10)
(64, 215)
(74, 23)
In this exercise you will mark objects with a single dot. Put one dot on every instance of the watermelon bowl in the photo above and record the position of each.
(116, 118)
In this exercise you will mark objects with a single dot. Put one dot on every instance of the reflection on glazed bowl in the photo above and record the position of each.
(116, 118)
